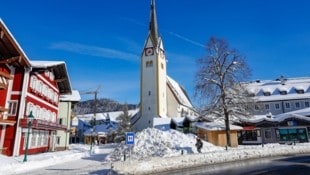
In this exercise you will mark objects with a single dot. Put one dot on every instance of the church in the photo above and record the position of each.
(162, 99)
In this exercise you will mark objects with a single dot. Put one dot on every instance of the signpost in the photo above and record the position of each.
(130, 138)
(130, 141)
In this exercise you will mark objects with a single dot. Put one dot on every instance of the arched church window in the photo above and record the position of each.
(149, 93)
(162, 66)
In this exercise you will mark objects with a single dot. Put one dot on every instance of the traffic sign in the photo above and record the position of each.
(130, 138)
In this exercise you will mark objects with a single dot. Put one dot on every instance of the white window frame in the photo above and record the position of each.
(267, 106)
(297, 104)
(275, 106)
(13, 107)
(307, 104)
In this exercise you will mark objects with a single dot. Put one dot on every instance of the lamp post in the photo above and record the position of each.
(30, 117)
(91, 138)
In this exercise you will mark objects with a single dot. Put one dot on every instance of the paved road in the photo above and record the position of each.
(286, 165)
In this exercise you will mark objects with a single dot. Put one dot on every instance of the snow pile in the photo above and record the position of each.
(36, 161)
(160, 164)
(152, 142)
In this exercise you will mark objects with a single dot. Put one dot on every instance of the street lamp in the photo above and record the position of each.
(30, 117)
(91, 138)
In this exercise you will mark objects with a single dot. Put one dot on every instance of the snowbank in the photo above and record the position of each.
(153, 142)
(12, 165)
(156, 151)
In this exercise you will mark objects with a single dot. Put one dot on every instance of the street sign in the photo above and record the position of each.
(130, 138)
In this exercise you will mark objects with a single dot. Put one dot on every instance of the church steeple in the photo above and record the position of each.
(153, 24)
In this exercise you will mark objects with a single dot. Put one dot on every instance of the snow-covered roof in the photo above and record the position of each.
(45, 64)
(103, 116)
(298, 114)
(103, 129)
(178, 120)
(60, 71)
(179, 92)
(290, 85)
(75, 96)
(162, 123)
(216, 126)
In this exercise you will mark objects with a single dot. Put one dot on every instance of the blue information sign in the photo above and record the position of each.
(130, 138)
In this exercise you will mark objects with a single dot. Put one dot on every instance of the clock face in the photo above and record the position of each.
(149, 51)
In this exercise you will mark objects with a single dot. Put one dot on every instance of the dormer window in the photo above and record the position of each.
(251, 95)
(267, 93)
(283, 92)
(300, 91)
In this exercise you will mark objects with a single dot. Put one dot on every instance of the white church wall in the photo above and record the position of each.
(172, 104)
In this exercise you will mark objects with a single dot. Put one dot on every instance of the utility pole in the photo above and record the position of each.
(95, 111)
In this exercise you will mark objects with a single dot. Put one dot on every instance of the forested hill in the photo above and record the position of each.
(103, 105)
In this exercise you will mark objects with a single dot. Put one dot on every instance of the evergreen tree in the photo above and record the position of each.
(124, 124)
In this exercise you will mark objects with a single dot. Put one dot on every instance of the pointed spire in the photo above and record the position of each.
(153, 24)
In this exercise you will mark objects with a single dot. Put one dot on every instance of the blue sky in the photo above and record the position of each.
(101, 41)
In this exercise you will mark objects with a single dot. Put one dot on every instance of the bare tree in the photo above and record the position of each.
(219, 82)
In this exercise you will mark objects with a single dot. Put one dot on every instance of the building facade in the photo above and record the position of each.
(281, 114)
(65, 113)
(281, 95)
(160, 95)
(14, 65)
(28, 87)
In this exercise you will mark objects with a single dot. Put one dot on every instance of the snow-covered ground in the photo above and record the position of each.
(154, 151)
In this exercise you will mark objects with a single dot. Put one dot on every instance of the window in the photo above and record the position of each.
(297, 105)
(293, 134)
(250, 135)
(149, 64)
(33, 140)
(287, 105)
(162, 66)
(33, 81)
(300, 91)
(267, 106)
(307, 104)
(149, 93)
(256, 107)
(267, 94)
(268, 133)
(58, 140)
(29, 108)
(283, 92)
(277, 106)
(13, 107)
(60, 121)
